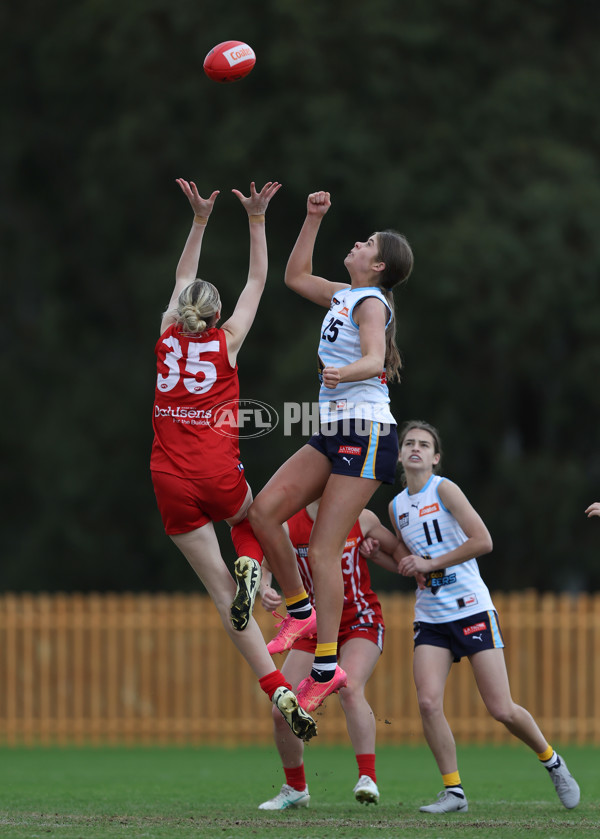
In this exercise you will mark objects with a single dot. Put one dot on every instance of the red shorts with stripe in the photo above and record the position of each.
(186, 504)
(370, 627)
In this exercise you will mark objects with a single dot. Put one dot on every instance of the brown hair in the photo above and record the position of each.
(395, 252)
(424, 426)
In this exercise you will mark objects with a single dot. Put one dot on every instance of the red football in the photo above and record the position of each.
(229, 61)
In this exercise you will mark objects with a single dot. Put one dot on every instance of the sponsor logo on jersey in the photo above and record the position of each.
(302, 550)
(334, 302)
(436, 579)
(431, 508)
(344, 312)
(477, 627)
(350, 450)
(178, 413)
(338, 405)
(403, 520)
(467, 600)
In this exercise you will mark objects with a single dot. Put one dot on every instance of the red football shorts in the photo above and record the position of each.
(188, 503)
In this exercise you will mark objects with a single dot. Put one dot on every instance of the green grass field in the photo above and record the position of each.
(171, 792)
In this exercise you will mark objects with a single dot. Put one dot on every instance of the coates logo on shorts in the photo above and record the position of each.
(244, 418)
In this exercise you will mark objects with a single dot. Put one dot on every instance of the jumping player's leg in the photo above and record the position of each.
(242, 535)
(342, 501)
(247, 565)
(296, 483)
(201, 549)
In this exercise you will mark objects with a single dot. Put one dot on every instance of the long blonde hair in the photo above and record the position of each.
(197, 305)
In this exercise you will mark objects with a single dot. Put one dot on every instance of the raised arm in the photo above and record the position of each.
(238, 325)
(298, 272)
(187, 266)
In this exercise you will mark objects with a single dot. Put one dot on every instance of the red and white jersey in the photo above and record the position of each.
(195, 405)
(360, 601)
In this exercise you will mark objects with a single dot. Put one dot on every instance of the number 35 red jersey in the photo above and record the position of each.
(195, 405)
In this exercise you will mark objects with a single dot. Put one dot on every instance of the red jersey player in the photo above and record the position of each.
(360, 642)
(196, 471)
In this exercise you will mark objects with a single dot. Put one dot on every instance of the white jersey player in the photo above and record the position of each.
(440, 536)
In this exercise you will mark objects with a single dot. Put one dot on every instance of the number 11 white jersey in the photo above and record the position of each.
(429, 529)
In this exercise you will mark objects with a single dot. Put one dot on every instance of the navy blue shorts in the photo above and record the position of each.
(359, 448)
(462, 637)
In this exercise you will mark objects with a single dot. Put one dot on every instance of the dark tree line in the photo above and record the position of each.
(473, 128)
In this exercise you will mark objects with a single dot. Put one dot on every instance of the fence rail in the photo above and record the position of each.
(135, 669)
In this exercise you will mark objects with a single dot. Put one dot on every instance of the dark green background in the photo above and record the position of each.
(472, 127)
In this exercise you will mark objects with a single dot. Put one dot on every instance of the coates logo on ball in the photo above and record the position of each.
(229, 61)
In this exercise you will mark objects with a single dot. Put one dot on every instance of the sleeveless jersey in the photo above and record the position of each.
(360, 601)
(429, 529)
(340, 345)
(195, 405)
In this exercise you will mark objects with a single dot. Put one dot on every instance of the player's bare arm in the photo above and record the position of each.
(238, 325)
(298, 273)
(187, 267)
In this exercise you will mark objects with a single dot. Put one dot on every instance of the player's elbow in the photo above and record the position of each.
(292, 279)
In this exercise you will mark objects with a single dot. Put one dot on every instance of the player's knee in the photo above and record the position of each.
(429, 705)
(259, 514)
(253, 513)
(502, 712)
(350, 694)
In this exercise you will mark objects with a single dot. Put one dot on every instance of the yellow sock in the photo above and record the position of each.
(289, 601)
(326, 649)
(452, 779)
(298, 606)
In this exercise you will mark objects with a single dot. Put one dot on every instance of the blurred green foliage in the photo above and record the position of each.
(472, 127)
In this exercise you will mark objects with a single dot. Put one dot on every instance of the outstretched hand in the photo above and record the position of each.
(257, 203)
(200, 206)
